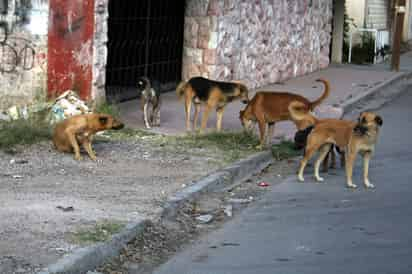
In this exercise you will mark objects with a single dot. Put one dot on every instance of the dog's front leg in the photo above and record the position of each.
(87, 144)
(146, 115)
(71, 136)
(349, 162)
(262, 131)
(366, 160)
(188, 106)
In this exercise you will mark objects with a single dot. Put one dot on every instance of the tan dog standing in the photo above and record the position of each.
(353, 137)
(80, 129)
(267, 108)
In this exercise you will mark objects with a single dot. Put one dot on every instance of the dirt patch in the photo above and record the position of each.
(46, 197)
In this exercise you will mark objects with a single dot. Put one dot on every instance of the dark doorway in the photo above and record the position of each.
(145, 38)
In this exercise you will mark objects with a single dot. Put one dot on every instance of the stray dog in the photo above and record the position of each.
(150, 95)
(80, 129)
(212, 94)
(353, 137)
(267, 108)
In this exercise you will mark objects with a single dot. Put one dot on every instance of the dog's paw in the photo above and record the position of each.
(301, 179)
(351, 186)
(319, 179)
(259, 147)
(369, 185)
(78, 157)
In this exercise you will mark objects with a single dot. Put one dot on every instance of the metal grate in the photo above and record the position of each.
(145, 38)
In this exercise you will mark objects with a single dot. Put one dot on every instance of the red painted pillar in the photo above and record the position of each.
(70, 47)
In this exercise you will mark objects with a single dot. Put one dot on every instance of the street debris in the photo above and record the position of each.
(239, 201)
(67, 105)
(204, 219)
(228, 210)
(65, 209)
(263, 184)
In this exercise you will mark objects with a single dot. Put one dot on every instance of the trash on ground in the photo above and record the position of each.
(207, 218)
(228, 210)
(263, 184)
(238, 201)
(67, 105)
(65, 209)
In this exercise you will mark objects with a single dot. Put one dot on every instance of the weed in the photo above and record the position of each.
(284, 150)
(23, 132)
(107, 108)
(99, 233)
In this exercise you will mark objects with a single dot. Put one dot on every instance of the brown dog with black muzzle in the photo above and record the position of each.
(354, 137)
(79, 130)
(267, 108)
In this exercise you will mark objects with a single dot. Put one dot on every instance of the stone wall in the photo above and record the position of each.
(23, 52)
(258, 42)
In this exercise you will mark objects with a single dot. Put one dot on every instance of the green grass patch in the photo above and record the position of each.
(23, 132)
(107, 108)
(99, 233)
(285, 150)
(229, 146)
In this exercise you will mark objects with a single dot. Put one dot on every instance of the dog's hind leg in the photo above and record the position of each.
(205, 117)
(196, 115)
(71, 136)
(310, 149)
(366, 159)
(219, 118)
(324, 150)
(271, 130)
(188, 108)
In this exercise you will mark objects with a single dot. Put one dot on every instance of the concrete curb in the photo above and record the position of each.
(219, 180)
(386, 91)
(88, 258)
(85, 259)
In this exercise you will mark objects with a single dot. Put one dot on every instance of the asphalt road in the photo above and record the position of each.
(322, 227)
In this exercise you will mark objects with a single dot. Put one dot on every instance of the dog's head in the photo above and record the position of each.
(246, 120)
(143, 83)
(108, 122)
(242, 92)
(368, 121)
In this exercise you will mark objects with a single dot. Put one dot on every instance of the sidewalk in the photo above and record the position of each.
(346, 81)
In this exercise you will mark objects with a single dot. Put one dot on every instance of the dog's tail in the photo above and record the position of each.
(180, 89)
(301, 116)
(325, 94)
(298, 110)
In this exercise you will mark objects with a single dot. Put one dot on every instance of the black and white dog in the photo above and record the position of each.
(149, 95)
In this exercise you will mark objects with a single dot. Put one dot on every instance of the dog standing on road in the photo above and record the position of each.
(80, 129)
(354, 137)
(149, 95)
(213, 95)
(267, 108)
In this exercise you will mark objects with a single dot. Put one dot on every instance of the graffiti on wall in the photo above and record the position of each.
(22, 24)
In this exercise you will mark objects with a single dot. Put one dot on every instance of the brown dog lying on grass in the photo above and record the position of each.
(267, 108)
(354, 137)
(79, 130)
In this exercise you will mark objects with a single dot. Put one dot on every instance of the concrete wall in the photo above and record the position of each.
(258, 42)
(23, 61)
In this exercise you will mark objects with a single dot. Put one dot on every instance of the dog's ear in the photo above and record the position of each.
(379, 120)
(103, 120)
